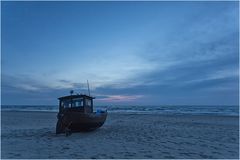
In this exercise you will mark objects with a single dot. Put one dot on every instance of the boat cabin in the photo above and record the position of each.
(77, 103)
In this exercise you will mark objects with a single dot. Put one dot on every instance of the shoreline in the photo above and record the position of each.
(136, 113)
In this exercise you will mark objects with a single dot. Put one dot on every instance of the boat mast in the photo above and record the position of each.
(88, 88)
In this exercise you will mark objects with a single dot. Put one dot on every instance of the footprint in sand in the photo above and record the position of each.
(65, 148)
(204, 156)
(128, 154)
(165, 153)
(169, 157)
(93, 158)
(16, 154)
(148, 156)
(74, 155)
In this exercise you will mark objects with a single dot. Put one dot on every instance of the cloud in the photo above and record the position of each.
(196, 57)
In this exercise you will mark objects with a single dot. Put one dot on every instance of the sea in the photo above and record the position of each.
(132, 109)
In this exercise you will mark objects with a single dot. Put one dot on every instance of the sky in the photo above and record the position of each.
(132, 53)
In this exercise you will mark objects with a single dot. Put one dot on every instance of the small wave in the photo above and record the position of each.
(216, 110)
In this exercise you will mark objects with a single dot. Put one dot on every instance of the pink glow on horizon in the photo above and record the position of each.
(121, 98)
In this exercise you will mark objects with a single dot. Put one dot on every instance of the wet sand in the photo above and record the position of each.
(32, 135)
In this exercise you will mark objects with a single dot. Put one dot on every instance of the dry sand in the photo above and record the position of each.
(32, 135)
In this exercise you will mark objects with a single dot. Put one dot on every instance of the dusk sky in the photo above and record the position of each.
(138, 53)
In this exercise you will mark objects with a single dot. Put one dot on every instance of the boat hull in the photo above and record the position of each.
(77, 122)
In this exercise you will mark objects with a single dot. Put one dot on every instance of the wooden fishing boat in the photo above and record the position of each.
(76, 114)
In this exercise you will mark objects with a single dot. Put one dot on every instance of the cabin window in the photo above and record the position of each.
(88, 102)
(66, 104)
(77, 102)
(72, 103)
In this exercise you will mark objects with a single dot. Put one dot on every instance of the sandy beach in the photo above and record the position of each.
(32, 135)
